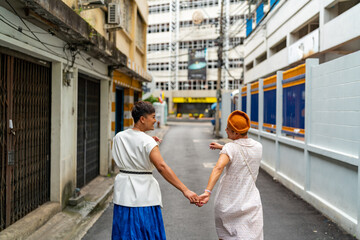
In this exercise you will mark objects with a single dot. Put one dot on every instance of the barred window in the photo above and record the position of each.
(193, 4)
(157, 28)
(183, 65)
(211, 85)
(197, 44)
(158, 47)
(236, 18)
(212, 64)
(163, 66)
(234, 84)
(160, 8)
(236, 41)
(236, 1)
(162, 85)
(206, 21)
(236, 63)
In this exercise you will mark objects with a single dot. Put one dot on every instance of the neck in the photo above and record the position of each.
(137, 127)
(241, 137)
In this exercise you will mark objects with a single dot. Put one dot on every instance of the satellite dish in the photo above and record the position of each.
(197, 17)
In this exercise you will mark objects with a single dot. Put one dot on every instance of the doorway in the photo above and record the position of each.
(25, 94)
(88, 131)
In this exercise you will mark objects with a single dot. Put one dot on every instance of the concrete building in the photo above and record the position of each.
(295, 30)
(69, 76)
(302, 67)
(175, 28)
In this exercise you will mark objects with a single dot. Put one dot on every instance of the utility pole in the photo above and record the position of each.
(220, 63)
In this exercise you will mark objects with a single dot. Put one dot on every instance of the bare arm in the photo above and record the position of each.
(169, 175)
(215, 145)
(157, 139)
(214, 177)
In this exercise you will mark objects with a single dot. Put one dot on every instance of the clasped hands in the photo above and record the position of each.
(203, 198)
(197, 200)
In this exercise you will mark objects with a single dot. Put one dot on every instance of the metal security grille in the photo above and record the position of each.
(25, 148)
(88, 130)
(4, 61)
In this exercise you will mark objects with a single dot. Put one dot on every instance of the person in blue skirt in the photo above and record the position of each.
(137, 196)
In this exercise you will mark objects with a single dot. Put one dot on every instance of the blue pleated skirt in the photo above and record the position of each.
(138, 223)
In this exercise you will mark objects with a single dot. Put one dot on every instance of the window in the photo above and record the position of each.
(261, 58)
(158, 66)
(140, 40)
(236, 63)
(183, 65)
(128, 10)
(211, 64)
(198, 44)
(205, 22)
(162, 86)
(234, 84)
(305, 29)
(193, 4)
(162, 8)
(236, 41)
(249, 66)
(236, 1)
(337, 8)
(236, 19)
(278, 46)
(158, 47)
(156, 28)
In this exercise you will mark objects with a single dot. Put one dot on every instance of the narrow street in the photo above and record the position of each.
(185, 149)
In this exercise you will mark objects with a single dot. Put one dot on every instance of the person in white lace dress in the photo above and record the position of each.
(238, 208)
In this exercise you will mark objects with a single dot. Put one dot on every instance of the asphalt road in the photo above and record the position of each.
(185, 149)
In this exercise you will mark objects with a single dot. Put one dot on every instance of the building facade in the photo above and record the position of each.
(292, 31)
(178, 27)
(69, 77)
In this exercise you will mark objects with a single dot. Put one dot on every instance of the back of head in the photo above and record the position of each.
(141, 108)
(239, 122)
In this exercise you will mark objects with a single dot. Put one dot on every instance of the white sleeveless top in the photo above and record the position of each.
(131, 150)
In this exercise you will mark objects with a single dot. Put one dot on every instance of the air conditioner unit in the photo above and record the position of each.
(114, 14)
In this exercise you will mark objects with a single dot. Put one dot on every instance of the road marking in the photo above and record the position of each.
(209, 164)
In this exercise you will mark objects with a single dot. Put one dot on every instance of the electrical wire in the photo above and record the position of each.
(55, 53)
(22, 29)
(92, 67)
(17, 29)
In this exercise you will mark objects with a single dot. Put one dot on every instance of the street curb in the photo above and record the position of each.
(102, 199)
(31, 222)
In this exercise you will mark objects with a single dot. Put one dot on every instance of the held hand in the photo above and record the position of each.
(215, 145)
(157, 139)
(203, 199)
(193, 197)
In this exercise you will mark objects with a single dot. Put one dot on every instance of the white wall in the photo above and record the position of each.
(323, 169)
(341, 29)
(335, 117)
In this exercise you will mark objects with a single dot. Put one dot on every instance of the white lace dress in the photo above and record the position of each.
(238, 209)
